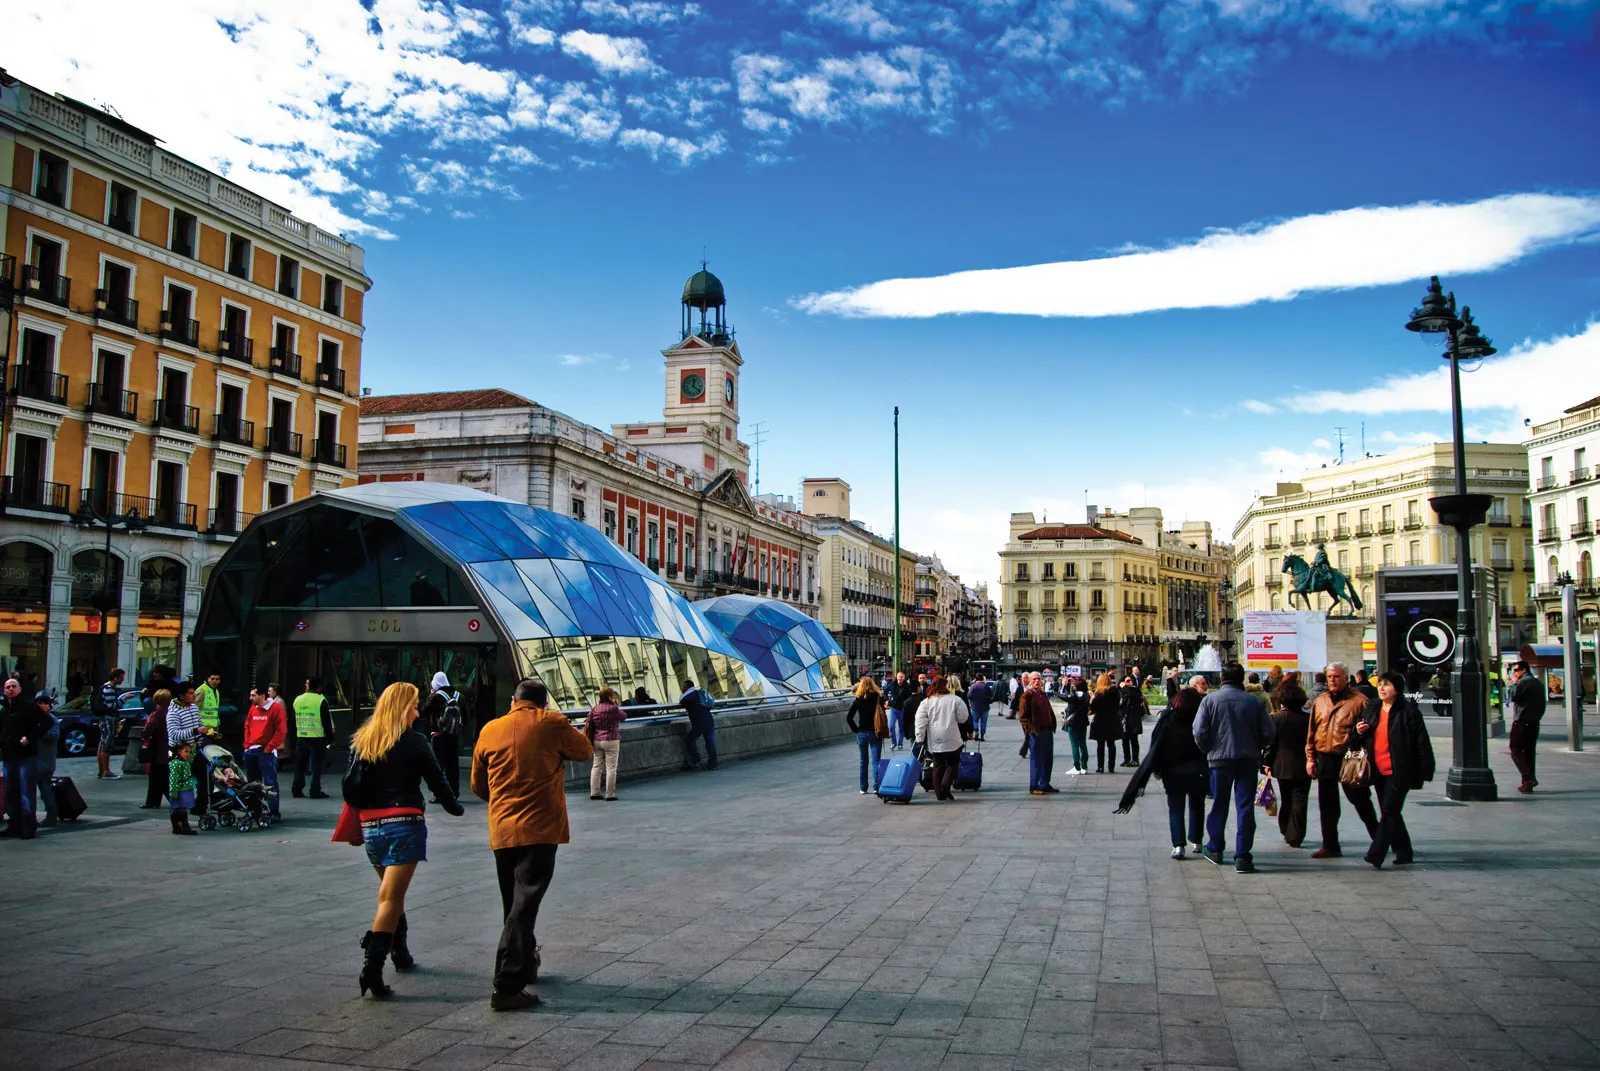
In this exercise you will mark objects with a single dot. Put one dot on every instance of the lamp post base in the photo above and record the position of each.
(1471, 784)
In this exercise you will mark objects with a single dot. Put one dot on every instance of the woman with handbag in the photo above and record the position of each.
(1105, 723)
(868, 719)
(1401, 755)
(389, 760)
(1285, 760)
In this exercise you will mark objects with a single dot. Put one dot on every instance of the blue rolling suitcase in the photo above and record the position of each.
(969, 772)
(899, 781)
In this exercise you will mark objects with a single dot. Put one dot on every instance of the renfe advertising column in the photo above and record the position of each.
(1289, 639)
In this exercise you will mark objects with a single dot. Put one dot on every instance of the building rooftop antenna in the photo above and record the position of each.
(758, 435)
(1339, 434)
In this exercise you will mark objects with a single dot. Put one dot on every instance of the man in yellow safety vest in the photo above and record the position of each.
(313, 728)
(208, 697)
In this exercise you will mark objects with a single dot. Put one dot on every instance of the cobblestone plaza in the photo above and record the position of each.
(768, 916)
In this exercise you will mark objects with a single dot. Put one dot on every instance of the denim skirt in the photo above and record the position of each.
(396, 841)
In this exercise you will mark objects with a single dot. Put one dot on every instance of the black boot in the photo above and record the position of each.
(398, 952)
(177, 822)
(376, 946)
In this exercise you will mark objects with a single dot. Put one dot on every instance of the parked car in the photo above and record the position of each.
(80, 728)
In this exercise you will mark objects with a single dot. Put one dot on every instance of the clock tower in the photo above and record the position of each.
(700, 411)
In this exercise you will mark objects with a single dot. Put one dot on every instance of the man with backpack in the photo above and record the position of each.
(445, 723)
(697, 703)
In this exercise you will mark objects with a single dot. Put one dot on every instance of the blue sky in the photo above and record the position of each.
(1231, 203)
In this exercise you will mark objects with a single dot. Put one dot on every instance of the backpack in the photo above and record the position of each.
(450, 717)
(705, 699)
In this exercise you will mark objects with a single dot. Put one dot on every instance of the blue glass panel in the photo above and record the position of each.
(541, 573)
(509, 601)
(498, 528)
(580, 593)
(555, 615)
(613, 602)
(440, 521)
(772, 614)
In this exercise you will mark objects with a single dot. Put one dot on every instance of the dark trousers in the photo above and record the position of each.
(21, 814)
(1105, 754)
(1080, 747)
(156, 791)
(1295, 801)
(309, 753)
(1328, 792)
(524, 874)
(262, 765)
(945, 765)
(202, 782)
(1130, 750)
(1186, 797)
(447, 749)
(1392, 832)
(1524, 738)
(701, 730)
(1236, 781)
(1041, 759)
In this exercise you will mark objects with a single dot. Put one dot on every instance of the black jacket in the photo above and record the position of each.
(1172, 751)
(863, 713)
(1286, 755)
(1410, 749)
(396, 779)
(898, 693)
(1134, 708)
(1077, 712)
(23, 718)
(1105, 712)
(1528, 697)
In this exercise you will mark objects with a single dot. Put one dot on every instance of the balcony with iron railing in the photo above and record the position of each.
(327, 452)
(1272, 543)
(8, 278)
(1364, 530)
(1582, 530)
(1498, 520)
(227, 522)
(40, 384)
(112, 401)
(1500, 563)
(235, 347)
(116, 308)
(232, 429)
(164, 512)
(1415, 559)
(172, 414)
(1413, 522)
(1273, 581)
(1526, 521)
(25, 492)
(1581, 474)
(1364, 571)
(1341, 532)
(180, 329)
(1385, 527)
(1320, 535)
(652, 564)
(283, 441)
(45, 286)
(330, 377)
(1549, 535)
(284, 362)
(1545, 483)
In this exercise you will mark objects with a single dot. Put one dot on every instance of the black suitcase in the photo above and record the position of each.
(969, 772)
(69, 801)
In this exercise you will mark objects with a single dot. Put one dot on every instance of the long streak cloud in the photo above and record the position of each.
(1356, 247)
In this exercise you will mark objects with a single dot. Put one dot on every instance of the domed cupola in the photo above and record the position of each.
(703, 291)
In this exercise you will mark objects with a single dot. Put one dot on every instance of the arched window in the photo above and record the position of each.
(24, 576)
(91, 577)
(1586, 569)
(1554, 566)
(1049, 628)
(1097, 628)
(161, 586)
(1022, 628)
(1070, 629)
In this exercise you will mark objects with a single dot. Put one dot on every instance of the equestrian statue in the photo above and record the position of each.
(1320, 576)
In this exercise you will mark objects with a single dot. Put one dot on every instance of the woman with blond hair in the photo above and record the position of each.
(870, 722)
(389, 760)
(1105, 723)
(603, 727)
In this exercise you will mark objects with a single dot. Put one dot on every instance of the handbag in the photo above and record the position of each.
(1267, 798)
(348, 829)
(1356, 769)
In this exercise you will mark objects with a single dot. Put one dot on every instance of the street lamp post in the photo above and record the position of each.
(1470, 777)
(103, 600)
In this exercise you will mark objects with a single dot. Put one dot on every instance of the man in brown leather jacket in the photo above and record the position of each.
(1038, 719)
(1333, 719)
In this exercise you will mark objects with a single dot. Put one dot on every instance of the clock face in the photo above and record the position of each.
(694, 385)
(727, 389)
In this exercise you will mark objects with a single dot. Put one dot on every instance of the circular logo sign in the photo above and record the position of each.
(299, 626)
(1431, 641)
(472, 626)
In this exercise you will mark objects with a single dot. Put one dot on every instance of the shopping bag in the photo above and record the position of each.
(1267, 798)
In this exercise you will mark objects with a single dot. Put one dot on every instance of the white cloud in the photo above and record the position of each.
(1255, 405)
(573, 360)
(610, 55)
(1411, 438)
(1535, 379)
(580, 113)
(642, 12)
(857, 16)
(1322, 444)
(514, 154)
(1356, 247)
(681, 149)
(902, 79)
(537, 36)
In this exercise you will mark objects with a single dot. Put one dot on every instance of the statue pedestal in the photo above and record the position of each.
(1344, 641)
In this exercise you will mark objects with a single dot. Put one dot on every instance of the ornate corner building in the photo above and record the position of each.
(179, 354)
(1564, 462)
(673, 493)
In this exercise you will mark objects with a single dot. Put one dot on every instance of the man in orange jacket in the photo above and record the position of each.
(517, 768)
(265, 727)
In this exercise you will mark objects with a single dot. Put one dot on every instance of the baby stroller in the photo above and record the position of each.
(233, 800)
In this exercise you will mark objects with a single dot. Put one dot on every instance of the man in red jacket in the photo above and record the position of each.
(265, 727)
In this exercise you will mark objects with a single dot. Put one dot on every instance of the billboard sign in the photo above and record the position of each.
(1288, 639)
